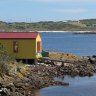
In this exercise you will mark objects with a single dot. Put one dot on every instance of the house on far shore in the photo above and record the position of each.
(25, 46)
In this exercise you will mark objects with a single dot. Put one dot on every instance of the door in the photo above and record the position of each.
(38, 47)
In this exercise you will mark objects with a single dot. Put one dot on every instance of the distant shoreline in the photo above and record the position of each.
(75, 32)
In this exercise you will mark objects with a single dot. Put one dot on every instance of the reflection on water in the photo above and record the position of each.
(78, 86)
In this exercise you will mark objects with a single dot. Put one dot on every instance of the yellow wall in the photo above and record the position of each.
(39, 39)
(27, 48)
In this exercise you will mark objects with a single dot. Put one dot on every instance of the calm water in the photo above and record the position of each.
(76, 44)
(79, 86)
(70, 43)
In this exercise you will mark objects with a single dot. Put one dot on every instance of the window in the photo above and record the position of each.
(15, 46)
(38, 47)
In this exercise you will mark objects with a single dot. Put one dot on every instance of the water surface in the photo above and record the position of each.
(82, 44)
(79, 86)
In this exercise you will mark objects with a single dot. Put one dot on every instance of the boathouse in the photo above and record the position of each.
(25, 46)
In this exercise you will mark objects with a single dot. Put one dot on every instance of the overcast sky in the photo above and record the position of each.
(46, 10)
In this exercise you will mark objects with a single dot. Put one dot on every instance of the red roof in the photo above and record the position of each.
(18, 35)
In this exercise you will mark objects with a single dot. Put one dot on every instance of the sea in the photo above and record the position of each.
(68, 42)
(78, 44)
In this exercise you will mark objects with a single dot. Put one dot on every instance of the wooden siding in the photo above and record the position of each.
(26, 48)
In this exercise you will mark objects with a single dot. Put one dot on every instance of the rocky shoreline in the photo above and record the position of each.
(24, 83)
(76, 65)
(22, 79)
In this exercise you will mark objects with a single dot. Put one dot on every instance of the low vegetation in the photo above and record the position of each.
(5, 58)
(80, 25)
(17, 79)
(9, 66)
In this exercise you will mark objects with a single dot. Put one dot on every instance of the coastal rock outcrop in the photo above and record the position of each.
(27, 79)
(17, 79)
(69, 64)
(79, 69)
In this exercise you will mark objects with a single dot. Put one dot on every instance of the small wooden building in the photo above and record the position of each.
(26, 46)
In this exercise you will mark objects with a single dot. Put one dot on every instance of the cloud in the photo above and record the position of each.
(74, 11)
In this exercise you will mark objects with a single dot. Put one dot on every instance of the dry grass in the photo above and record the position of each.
(63, 56)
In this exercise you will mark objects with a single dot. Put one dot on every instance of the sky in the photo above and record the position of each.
(46, 10)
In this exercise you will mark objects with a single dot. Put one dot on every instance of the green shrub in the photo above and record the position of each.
(4, 68)
(4, 56)
(4, 59)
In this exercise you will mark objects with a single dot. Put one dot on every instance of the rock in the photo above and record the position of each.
(60, 83)
(58, 63)
(92, 59)
(42, 75)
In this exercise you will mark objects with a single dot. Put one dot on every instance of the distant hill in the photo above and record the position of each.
(80, 25)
